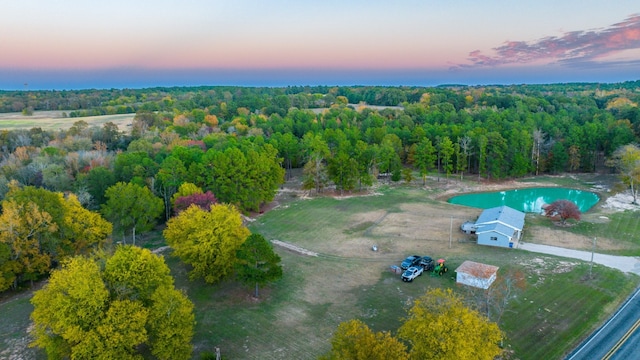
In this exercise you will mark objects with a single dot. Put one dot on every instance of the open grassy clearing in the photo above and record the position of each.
(615, 233)
(54, 120)
(561, 305)
(296, 317)
(555, 285)
(14, 340)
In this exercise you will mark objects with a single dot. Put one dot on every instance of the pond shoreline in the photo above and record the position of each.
(528, 200)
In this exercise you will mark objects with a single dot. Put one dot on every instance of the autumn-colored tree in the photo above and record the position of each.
(627, 160)
(257, 263)
(8, 268)
(131, 207)
(25, 231)
(212, 120)
(132, 273)
(83, 229)
(201, 200)
(39, 227)
(440, 326)
(563, 209)
(207, 240)
(407, 175)
(185, 189)
(354, 340)
(115, 311)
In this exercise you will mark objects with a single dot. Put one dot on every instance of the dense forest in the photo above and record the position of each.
(239, 144)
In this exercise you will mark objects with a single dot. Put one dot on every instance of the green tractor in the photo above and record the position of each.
(440, 268)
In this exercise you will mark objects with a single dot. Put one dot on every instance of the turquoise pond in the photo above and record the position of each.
(527, 200)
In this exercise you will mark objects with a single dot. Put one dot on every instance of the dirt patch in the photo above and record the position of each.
(541, 268)
(565, 239)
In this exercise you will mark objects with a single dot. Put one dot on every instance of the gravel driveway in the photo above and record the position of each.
(628, 264)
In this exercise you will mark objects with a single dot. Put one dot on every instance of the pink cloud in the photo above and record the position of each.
(576, 47)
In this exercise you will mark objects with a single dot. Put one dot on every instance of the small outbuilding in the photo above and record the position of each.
(476, 274)
(500, 226)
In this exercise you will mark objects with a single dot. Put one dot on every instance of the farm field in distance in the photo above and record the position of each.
(296, 317)
(53, 120)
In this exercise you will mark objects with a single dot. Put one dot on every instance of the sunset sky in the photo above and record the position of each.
(75, 44)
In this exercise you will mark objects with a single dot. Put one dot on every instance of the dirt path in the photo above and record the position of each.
(294, 248)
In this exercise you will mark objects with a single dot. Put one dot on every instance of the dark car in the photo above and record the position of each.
(410, 261)
(427, 263)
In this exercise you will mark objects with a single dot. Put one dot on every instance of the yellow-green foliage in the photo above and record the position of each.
(132, 207)
(171, 322)
(23, 228)
(89, 311)
(134, 273)
(87, 228)
(207, 240)
(39, 227)
(69, 307)
(439, 326)
(355, 341)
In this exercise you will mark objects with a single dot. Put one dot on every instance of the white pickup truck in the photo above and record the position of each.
(412, 273)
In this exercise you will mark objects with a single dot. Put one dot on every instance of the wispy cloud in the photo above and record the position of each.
(576, 48)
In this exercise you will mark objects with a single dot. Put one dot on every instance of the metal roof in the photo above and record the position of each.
(501, 214)
(478, 270)
(496, 227)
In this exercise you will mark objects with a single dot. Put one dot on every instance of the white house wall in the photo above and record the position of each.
(485, 239)
(467, 279)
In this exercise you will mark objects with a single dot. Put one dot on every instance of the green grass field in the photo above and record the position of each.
(296, 316)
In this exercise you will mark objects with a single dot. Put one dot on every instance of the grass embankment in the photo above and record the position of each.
(14, 321)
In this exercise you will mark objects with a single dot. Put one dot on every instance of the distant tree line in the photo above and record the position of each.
(334, 134)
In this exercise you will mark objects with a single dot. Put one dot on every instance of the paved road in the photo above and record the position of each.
(619, 337)
(616, 339)
(629, 264)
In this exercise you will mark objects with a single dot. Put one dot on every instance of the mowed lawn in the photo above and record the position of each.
(296, 316)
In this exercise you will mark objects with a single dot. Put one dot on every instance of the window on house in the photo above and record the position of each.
(494, 238)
